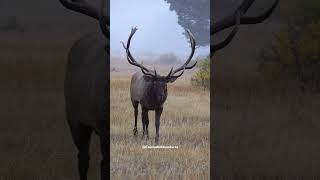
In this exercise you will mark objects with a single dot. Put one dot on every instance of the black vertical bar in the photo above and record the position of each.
(211, 98)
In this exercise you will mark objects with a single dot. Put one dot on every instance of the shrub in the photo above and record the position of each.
(202, 76)
(295, 51)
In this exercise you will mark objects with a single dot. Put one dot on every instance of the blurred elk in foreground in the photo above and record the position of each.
(235, 19)
(87, 87)
(150, 89)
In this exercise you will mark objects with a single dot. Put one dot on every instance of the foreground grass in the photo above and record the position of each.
(264, 127)
(184, 123)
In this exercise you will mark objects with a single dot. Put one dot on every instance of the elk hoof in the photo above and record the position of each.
(135, 131)
(156, 140)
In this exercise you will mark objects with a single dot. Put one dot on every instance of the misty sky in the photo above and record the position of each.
(158, 29)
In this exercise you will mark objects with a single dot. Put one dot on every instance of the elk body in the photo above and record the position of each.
(150, 89)
(87, 88)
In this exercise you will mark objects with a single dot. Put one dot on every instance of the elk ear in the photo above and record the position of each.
(172, 79)
(147, 78)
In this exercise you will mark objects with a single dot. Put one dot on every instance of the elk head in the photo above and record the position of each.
(235, 19)
(159, 82)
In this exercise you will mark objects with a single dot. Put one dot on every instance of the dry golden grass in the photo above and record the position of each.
(260, 127)
(184, 123)
(35, 141)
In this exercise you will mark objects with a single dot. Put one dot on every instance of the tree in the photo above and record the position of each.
(194, 15)
(295, 51)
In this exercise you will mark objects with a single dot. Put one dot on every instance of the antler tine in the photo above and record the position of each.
(192, 66)
(81, 6)
(169, 73)
(260, 18)
(147, 73)
(185, 65)
(229, 38)
(130, 58)
(231, 21)
(175, 77)
(235, 19)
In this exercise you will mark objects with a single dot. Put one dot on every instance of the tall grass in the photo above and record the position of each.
(184, 123)
(35, 141)
(263, 127)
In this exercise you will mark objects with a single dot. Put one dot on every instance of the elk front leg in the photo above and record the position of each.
(145, 122)
(135, 106)
(81, 136)
(157, 123)
(104, 166)
(104, 163)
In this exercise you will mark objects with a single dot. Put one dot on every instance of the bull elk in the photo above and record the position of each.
(87, 87)
(235, 19)
(150, 89)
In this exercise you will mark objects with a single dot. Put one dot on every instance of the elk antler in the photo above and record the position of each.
(185, 65)
(172, 72)
(81, 6)
(235, 19)
(131, 60)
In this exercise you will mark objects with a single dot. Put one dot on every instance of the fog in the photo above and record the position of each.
(158, 29)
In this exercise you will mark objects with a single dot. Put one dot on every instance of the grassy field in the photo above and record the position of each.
(184, 123)
(260, 127)
(35, 142)
(263, 127)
